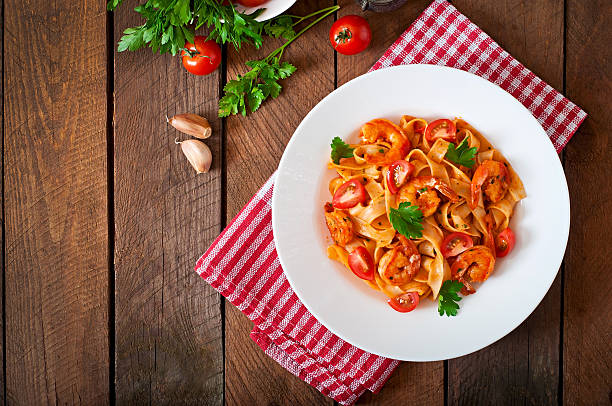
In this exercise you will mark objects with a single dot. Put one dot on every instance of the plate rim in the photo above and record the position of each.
(263, 17)
(565, 192)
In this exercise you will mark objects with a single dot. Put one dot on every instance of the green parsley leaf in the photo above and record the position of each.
(407, 220)
(285, 70)
(281, 27)
(132, 39)
(462, 154)
(252, 89)
(168, 23)
(340, 149)
(228, 25)
(113, 4)
(423, 190)
(448, 298)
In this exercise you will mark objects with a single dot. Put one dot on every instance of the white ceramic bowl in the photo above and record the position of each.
(360, 315)
(272, 8)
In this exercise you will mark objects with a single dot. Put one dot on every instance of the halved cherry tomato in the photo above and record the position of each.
(504, 243)
(455, 243)
(349, 195)
(399, 172)
(203, 57)
(350, 34)
(442, 128)
(404, 303)
(361, 263)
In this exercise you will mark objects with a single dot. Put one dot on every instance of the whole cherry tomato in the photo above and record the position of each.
(203, 57)
(350, 35)
(504, 243)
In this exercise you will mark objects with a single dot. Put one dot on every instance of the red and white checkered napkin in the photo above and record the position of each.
(242, 263)
(444, 36)
(243, 266)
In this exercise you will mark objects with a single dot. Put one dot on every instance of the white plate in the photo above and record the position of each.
(272, 8)
(360, 315)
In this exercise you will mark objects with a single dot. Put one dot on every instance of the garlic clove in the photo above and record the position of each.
(191, 124)
(198, 154)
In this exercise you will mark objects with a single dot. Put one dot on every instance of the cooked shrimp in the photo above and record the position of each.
(381, 130)
(400, 264)
(421, 191)
(488, 239)
(473, 265)
(493, 178)
(339, 224)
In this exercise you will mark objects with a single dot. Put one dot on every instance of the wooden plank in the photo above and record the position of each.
(2, 376)
(56, 202)
(168, 321)
(386, 28)
(418, 383)
(254, 147)
(587, 371)
(523, 367)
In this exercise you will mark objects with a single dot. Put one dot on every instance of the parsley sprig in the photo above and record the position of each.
(462, 154)
(169, 23)
(448, 298)
(254, 87)
(407, 220)
(340, 149)
(249, 91)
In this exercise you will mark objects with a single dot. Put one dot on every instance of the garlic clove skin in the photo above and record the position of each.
(191, 124)
(198, 154)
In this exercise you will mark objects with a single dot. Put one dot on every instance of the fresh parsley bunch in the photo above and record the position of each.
(248, 91)
(169, 23)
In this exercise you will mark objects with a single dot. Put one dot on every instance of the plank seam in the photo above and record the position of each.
(3, 234)
(110, 198)
(223, 209)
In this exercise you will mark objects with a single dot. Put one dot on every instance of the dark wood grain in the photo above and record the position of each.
(587, 370)
(2, 376)
(168, 320)
(523, 367)
(56, 263)
(386, 28)
(254, 147)
(418, 383)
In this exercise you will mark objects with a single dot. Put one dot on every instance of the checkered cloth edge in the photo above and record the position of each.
(242, 263)
(444, 36)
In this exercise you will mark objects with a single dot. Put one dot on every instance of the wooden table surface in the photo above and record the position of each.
(103, 219)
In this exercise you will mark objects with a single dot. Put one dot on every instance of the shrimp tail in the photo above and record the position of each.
(489, 240)
(447, 191)
(474, 194)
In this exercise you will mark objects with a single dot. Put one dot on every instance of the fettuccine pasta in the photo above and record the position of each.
(418, 203)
